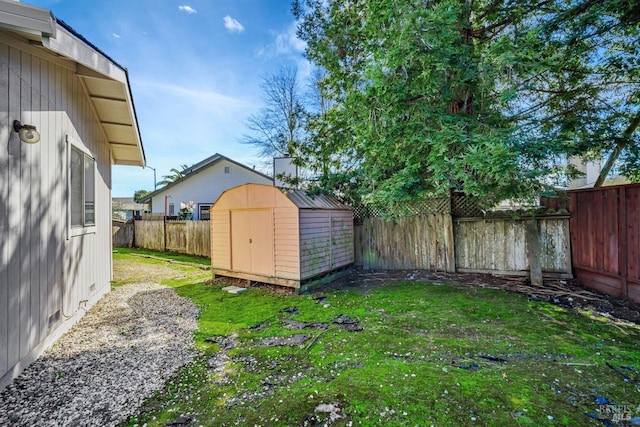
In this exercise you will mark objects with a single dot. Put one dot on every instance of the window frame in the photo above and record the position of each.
(86, 227)
(203, 205)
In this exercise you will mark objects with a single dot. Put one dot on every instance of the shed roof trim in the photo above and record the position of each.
(298, 198)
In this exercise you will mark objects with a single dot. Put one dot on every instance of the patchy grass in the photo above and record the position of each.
(446, 354)
(133, 265)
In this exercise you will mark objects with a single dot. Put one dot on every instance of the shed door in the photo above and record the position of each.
(252, 241)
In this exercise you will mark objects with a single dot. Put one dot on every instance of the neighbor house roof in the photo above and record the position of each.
(199, 167)
(105, 81)
(609, 182)
(128, 204)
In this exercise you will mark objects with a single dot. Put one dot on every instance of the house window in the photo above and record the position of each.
(172, 210)
(203, 212)
(227, 169)
(83, 189)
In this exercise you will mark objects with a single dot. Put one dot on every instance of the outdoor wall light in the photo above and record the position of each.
(27, 133)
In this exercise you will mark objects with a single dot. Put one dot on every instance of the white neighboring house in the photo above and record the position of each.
(55, 195)
(590, 169)
(202, 184)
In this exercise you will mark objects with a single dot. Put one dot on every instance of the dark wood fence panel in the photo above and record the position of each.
(415, 242)
(122, 233)
(605, 236)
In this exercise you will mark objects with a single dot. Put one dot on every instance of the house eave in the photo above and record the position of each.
(107, 85)
(31, 21)
(105, 82)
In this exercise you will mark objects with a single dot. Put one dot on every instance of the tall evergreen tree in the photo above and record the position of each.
(463, 94)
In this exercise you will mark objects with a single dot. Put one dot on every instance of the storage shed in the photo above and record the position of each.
(281, 236)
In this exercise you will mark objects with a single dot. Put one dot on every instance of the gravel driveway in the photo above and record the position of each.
(99, 372)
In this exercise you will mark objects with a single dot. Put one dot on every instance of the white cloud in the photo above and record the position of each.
(284, 43)
(187, 8)
(233, 25)
(288, 41)
(116, 35)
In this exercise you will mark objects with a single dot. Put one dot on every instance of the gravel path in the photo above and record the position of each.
(102, 370)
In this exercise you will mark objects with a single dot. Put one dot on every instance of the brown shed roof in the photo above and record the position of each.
(303, 200)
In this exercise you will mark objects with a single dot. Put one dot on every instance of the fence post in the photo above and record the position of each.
(623, 237)
(534, 252)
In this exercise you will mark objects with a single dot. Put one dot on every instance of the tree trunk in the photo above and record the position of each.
(622, 142)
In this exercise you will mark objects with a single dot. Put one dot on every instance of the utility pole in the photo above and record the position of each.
(154, 176)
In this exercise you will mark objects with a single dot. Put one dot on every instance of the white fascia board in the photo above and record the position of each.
(67, 44)
(27, 19)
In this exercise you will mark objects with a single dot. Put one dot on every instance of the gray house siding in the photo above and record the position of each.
(48, 275)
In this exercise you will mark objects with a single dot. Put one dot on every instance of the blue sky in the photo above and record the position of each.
(195, 69)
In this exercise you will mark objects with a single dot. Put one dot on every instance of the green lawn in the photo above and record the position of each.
(428, 354)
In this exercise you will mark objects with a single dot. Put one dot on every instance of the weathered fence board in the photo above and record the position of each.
(415, 242)
(189, 237)
(199, 238)
(605, 236)
(437, 243)
(499, 245)
(149, 235)
(427, 242)
(122, 233)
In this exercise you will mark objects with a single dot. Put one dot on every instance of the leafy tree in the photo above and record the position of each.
(175, 175)
(479, 96)
(416, 110)
(140, 194)
(278, 128)
(583, 97)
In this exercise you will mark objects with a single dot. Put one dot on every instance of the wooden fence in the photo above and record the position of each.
(189, 237)
(503, 246)
(122, 234)
(415, 242)
(433, 242)
(605, 237)
(438, 243)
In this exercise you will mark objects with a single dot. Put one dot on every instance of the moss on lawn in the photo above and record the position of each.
(442, 354)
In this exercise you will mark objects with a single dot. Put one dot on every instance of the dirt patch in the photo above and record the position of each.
(297, 325)
(292, 340)
(347, 323)
(125, 271)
